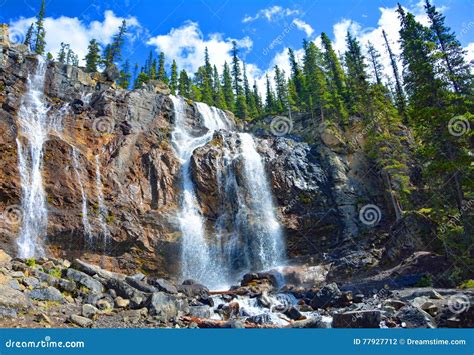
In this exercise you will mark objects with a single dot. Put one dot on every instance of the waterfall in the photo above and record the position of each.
(33, 127)
(267, 242)
(102, 213)
(247, 233)
(85, 215)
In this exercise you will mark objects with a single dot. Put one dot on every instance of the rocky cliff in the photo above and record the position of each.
(124, 139)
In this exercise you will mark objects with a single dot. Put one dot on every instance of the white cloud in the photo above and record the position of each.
(186, 44)
(303, 26)
(470, 52)
(76, 33)
(271, 14)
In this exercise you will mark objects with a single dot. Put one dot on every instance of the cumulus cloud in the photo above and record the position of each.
(303, 26)
(271, 14)
(76, 33)
(186, 44)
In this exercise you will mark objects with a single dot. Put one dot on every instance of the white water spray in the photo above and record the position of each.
(34, 128)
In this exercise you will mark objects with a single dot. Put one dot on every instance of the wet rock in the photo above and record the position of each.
(165, 286)
(414, 317)
(80, 321)
(396, 304)
(328, 296)
(85, 280)
(313, 322)
(263, 318)
(194, 290)
(358, 298)
(200, 311)
(357, 319)
(46, 294)
(294, 314)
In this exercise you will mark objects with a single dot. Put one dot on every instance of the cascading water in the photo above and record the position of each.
(102, 213)
(85, 215)
(247, 233)
(34, 128)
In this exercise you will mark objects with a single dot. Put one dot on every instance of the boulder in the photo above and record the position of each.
(165, 306)
(5, 259)
(200, 311)
(328, 296)
(140, 285)
(194, 290)
(12, 299)
(294, 314)
(89, 311)
(121, 302)
(80, 321)
(46, 294)
(137, 298)
(414, 317)
(85, 280)
(263, 318)
(357, 319)
(165, 286)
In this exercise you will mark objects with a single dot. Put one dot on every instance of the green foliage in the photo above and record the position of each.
(55, 272)
(467, 284)
(31, 262)
(425, 281)
(92, 57)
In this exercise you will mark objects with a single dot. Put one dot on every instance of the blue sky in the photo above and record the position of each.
(263, 29)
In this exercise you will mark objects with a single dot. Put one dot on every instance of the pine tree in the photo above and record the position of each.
(125, 76)
(257, 99)
(174, 78)
(270, 105)
(40, 43)
(29, 36)
(217, 92)
(227, 87)
(399, 93)
(93, 56)
(316, 93)
(377, 67)
(337, 85)
(452, 54)
(297, 81)
(241, 110)
(141, 79)
(281, 90)
(161, 74)
(206, 80)
(249, 98)
(356, 77)
(113, 51)
(184, 86)
(63, 53)
(236, 73)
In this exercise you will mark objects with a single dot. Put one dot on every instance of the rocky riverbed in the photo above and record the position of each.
(48, 292)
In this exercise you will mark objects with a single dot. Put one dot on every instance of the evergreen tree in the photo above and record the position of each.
(184, 86)
(236, 73)
(113, 51)
(452, 54)
(174, 78)
(399, 93)
(227, 87)
(29, 36)
(206, 80)
(161, 74)
(241, 110)
(377, 67)
(337, 85)
(217, 92)
(125, 76)
(316, 93)
(281, 90)
(63, 53)
(141, 79)
(257, 99)
(93, 56)
(270, 105)
(249, 98)
(40, 42)
(356, 77)
(297, 81)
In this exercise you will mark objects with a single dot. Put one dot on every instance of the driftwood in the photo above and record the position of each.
(211, 323)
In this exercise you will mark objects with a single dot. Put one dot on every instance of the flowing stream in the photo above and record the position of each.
(247, 234)
(33, 132)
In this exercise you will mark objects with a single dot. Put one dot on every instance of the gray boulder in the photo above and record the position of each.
(357, 319)
(85, 280)
(46, 294)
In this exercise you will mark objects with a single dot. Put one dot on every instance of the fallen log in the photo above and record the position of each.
(212, 323)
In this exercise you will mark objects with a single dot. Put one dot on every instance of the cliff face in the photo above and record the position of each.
(318, 189)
